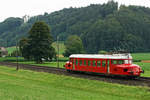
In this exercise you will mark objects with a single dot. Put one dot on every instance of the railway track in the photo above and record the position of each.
(142, 81)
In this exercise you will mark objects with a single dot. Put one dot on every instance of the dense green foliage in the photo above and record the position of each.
(11, 30)
(38, 43)
(29, 85)
(73, 46)
(101, 27)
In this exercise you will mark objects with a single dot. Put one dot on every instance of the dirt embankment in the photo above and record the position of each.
(145, 61)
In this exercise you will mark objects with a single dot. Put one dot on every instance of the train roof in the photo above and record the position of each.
(102, 56)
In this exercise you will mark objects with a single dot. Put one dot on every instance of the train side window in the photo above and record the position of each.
(80, 62)
(89, 63)
(103, 63)
(84, 62)
(114, 61)
(94, 63)
(99, 63)
(120, 61)
(76, 61)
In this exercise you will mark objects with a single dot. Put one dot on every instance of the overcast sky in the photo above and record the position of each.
(19, 8)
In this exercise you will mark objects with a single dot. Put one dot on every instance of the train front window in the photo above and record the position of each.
(128, 61)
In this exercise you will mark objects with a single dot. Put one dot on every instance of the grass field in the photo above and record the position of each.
(29, 85)
(50, 64)
(141, 56)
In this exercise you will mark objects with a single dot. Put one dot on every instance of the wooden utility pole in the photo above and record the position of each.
(17, 68)
(57, 52)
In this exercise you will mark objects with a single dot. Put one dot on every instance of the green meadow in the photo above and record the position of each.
(141, 56)
(29, 85)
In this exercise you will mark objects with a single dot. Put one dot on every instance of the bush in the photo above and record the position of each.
(102, 52)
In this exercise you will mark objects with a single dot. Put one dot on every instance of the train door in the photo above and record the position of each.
(76, 64)
(104, 66)
(73, 63)
(108, 66)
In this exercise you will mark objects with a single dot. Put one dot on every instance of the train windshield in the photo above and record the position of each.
(128, 61)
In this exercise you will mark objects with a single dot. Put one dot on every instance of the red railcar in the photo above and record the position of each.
(111, 64)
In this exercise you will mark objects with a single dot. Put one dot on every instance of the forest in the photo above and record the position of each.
(106, 27)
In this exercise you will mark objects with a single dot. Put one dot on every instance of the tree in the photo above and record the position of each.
(73, 46)
(38, 44)
(24, 48)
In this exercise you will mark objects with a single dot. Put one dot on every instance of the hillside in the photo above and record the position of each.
(101, 27)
